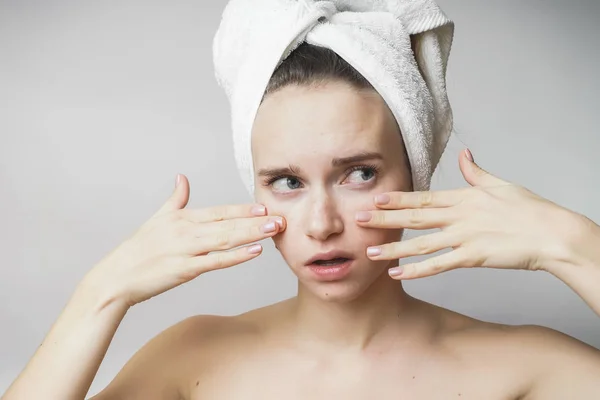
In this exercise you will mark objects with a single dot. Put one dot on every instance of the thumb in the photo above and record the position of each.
(474, 174)
(180, 196)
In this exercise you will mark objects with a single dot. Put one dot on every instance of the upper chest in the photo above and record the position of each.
(387, 376)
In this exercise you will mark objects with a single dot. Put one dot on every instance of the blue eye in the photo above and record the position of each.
(284, 183)
(356, 174)
(362, 173)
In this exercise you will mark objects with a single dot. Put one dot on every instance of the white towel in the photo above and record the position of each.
(255, 36)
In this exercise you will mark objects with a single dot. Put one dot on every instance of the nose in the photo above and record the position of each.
(322, 219)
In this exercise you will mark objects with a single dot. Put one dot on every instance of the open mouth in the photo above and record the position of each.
(332, 262)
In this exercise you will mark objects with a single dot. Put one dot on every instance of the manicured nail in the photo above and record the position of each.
(469, 155)
(395, 271)
(255, 249)
(279, 222)
(259, 210)
(269, 227)
(177, 180)
(382, 199)
(363, 216)
(373, 251)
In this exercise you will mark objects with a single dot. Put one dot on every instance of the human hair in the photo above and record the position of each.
(314, 65)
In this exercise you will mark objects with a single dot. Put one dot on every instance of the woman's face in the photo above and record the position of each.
(320, 155)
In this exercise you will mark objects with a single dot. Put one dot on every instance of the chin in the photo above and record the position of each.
(337, 292)
(362, 275)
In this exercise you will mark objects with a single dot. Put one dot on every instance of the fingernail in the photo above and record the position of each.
(177, 179)
(254, 249)
(381, 199)
(269, 227)
(279, 222)
(469, 155)
(259, 210)
(363, 216)
(373, 251)
(395, 271)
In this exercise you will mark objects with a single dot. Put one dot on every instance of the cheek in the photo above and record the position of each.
(367, 236)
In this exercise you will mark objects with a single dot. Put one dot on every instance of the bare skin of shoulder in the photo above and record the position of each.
(259, 355)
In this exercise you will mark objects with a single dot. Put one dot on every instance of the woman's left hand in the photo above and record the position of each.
(493, 224)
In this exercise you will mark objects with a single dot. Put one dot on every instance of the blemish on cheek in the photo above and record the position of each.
(197, 383)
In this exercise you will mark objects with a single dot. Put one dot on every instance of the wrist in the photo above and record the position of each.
(89, 294)
(578, 247)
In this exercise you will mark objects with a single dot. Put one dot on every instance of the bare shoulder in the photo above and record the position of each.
(561, 366)
(549, 363)
(162, 367)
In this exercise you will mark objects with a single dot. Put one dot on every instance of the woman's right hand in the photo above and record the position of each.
(173, 247)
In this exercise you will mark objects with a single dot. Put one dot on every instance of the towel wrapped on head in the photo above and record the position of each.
(373, 36)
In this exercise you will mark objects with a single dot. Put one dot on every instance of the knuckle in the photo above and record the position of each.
(227, 225)
(378, 217)
(425, 199)
(435, 265)
(232, 224)
(220, 260)
(217, 214)
(415, 216)
(186, 273)
(222, 240)
(422, 245)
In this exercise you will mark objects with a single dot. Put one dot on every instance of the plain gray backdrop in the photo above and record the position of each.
(103, 102)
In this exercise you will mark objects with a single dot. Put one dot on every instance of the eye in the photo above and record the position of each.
(284, 183)
(361, 174)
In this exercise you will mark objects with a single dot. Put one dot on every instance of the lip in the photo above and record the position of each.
(330, 272)
(328, 255)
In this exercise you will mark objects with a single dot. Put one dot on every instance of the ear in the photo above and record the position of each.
(474, 174)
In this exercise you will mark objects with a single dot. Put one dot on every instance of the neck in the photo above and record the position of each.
(384, 308)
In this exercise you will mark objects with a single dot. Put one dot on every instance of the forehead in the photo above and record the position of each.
(331, 119)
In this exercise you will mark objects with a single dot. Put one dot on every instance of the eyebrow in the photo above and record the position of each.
(336, 162)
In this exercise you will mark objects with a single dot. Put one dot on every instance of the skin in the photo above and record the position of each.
(358, 337)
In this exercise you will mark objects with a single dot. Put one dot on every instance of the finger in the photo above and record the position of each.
(432, 266)
(474, 174)
(226, 240)
(221, 213)
(421, 245)
(425, 199)
(179, 198)
(210, 228)
(412, 218)
(194, 266)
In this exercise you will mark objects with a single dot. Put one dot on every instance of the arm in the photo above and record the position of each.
(66, 362)
(565, 367)
(577, 263)
(173, 247)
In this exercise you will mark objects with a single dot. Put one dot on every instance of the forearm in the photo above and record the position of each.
(65, 364)
(578, 264)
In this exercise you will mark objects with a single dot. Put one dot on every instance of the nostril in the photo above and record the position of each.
(322, 19)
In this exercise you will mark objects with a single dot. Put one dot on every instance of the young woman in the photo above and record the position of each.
(334, 192)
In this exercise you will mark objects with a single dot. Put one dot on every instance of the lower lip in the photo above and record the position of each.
(331, 272)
